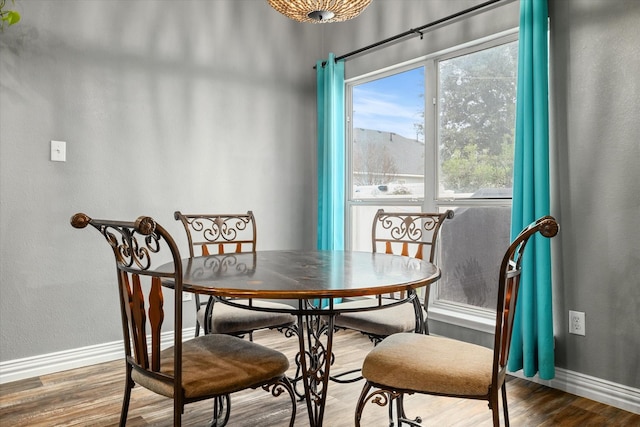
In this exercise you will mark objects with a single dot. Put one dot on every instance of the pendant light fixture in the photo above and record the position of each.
(320, 11)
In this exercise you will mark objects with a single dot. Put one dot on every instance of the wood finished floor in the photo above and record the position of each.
(92, 396)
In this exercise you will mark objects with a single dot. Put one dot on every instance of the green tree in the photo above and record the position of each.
(472, 167)
(477, 117)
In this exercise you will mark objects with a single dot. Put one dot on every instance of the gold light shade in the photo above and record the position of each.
(318, 11)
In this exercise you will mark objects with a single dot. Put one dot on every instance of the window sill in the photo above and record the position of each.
(463, 316)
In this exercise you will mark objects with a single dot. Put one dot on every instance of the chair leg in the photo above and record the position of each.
(127, 397)
(391, 422)
(276, 388)
(292, 394)
(402, 415)
(495, 410)
(221, 411)
(177, 415)
(361, 402)
(504, 404)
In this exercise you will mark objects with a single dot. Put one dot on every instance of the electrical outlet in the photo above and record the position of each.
(576, 323)
(187, 296)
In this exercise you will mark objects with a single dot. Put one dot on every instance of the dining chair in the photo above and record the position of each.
(216, 234)
(413, 234)
(408, 363)
(208, 367)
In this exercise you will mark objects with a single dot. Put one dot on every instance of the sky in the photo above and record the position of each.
(391, 104)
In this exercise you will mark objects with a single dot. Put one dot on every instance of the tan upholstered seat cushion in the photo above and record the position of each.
(430, 364)
(227, 319)
(382, 322)
(218, 364)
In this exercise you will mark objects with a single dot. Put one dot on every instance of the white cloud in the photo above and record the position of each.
(388, 112)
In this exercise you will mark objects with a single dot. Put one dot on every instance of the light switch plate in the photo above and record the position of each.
(58, 151)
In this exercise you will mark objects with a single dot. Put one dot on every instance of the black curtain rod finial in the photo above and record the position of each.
(324, 63)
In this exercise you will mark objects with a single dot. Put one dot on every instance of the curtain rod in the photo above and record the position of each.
(419, 30)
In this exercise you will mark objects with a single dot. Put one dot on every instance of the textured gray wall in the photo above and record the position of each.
(212, 107)
(202, 106)
(595, 60)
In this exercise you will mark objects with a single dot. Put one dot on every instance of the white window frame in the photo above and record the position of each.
(439, 310)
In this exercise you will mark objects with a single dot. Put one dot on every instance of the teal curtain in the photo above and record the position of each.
(532, 340)
(331, 153)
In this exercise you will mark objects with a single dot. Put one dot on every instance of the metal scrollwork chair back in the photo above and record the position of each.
(217, 234)
(410, 234)
(208, 367)
(425, 364)
(402, 233)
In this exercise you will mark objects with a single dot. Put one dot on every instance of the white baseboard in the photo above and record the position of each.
(607, 392)
(20, 369)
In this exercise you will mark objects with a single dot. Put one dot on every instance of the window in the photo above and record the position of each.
(453, 152)
(387, 138)
(476, 120)
(386, 161)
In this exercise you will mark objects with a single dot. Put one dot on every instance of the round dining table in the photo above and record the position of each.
(312, 281)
